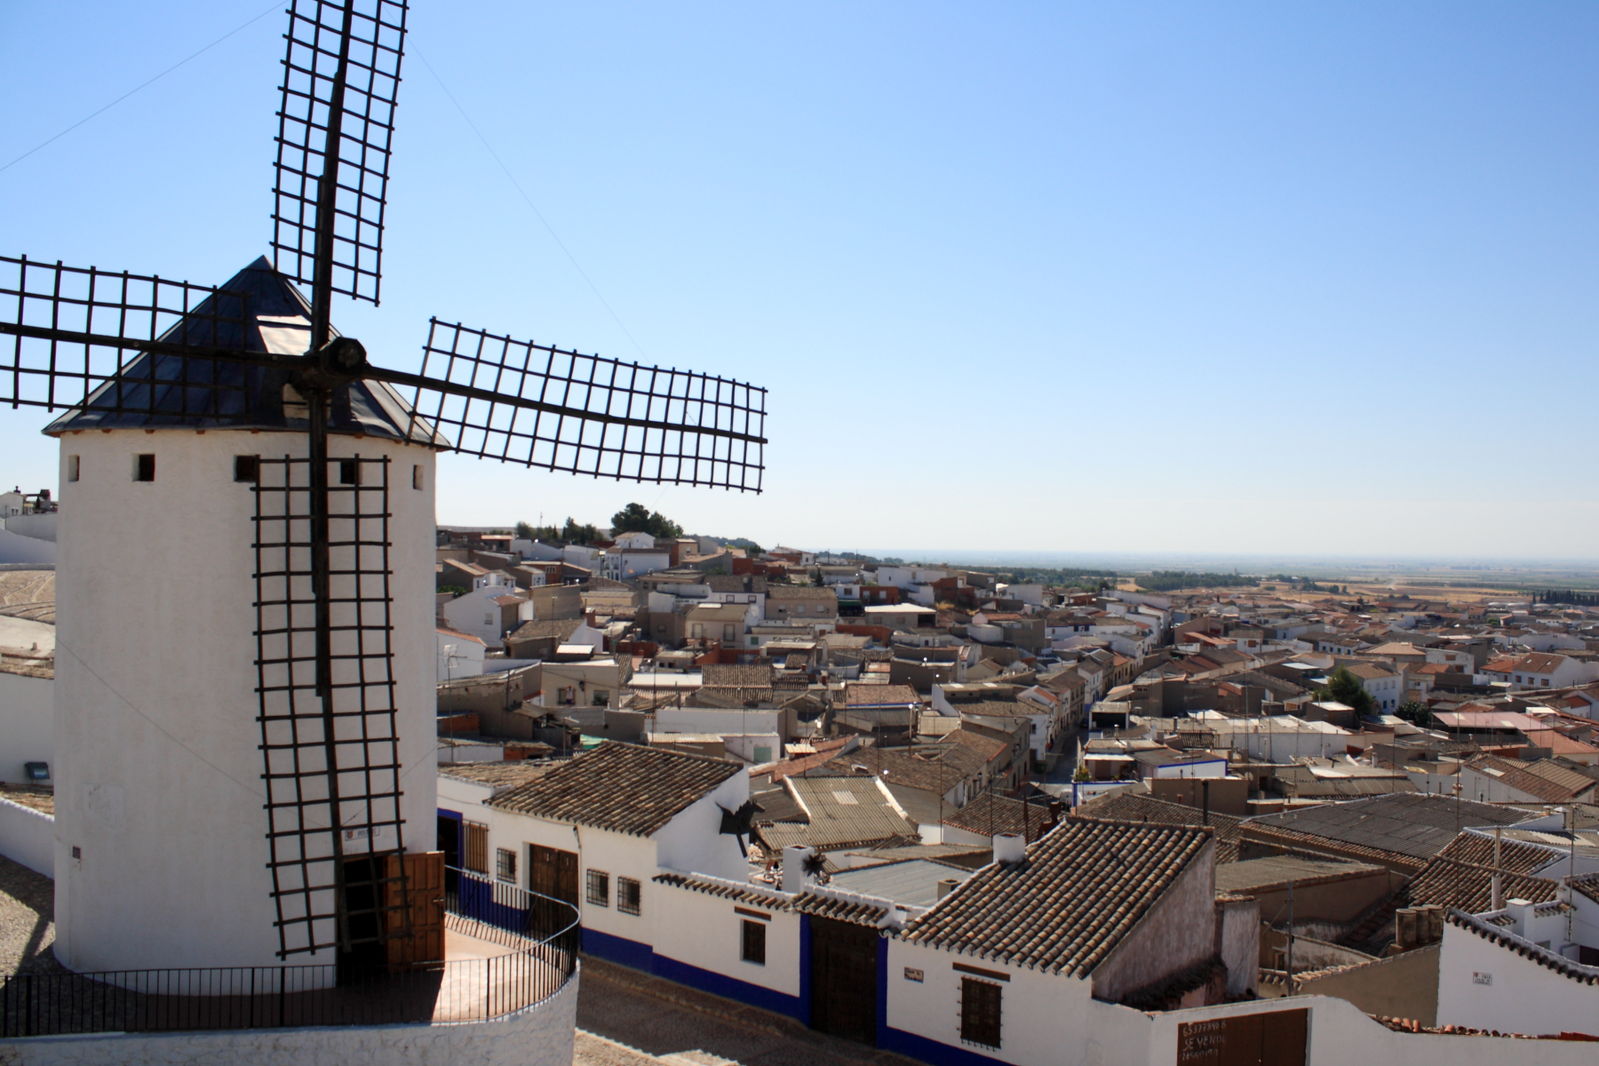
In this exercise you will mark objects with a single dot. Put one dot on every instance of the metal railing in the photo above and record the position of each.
(540, 934)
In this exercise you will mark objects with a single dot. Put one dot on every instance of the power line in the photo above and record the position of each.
(141, 86)
(531, 206)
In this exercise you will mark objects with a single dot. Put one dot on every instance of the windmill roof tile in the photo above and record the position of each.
(272, 317)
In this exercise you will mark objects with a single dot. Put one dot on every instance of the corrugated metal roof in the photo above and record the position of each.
(912, 882)
(1411, 824)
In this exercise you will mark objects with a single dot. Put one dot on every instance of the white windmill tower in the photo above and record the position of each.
(245, 640)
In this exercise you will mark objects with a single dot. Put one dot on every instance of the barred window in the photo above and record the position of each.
(627, 895)
(752, 947)
(475, 853)
(599, 888)
(980, 1012)
(505, 864)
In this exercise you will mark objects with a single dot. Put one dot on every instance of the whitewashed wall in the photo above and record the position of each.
(16, 548)
(457, 656)
(704, 931)
(1485, 985)
(1340, 1034)
(693, 841)
(27, 724)
(1042, 1017)
(134, 717)
(542, 1035)
(28, 836)
(720, 721)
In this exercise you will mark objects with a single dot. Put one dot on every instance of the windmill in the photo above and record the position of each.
(175, 383)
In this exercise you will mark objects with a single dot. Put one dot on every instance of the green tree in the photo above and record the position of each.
(1414, 712)
(636, 518)
(1346, 688)
(575, 532)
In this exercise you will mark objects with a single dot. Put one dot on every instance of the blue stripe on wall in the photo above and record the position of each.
(928, 1051)
(618, 949)
(805, 970)
(882, 990)
(730, 987)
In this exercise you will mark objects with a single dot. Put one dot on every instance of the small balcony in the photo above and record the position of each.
(505, 950)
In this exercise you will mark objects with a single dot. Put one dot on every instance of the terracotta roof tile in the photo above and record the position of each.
(990, 815)
(856, 912)
(1078, 892)
(1130, 806)
(754, 895)
(1461, 875)
(621, 787)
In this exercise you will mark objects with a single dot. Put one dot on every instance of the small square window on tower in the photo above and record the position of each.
(247, 468)
(144, 467)
(349, 471)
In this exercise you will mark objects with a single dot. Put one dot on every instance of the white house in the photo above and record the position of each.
(596, 830)
(487, 612)
(637, 541)
(459, 654)
(1008, 964)
(1513, 970)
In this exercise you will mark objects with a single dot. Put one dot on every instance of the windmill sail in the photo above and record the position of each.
(538, 405)
(331, 761)
(341, 77)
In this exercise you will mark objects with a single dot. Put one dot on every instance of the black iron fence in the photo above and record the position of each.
(538, 935)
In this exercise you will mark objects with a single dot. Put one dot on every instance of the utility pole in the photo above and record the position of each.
(1290, 938)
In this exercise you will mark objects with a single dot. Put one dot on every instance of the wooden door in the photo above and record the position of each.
(1267, 1038)
(844, 979)
(414, 909)
(551, 873)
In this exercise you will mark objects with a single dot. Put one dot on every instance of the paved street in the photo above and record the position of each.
(622, 1012)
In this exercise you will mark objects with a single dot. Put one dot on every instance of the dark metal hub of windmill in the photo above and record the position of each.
(338, 362)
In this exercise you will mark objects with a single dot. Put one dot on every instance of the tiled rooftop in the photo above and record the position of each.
(621, 787)
(1130, 806)
(991, 815)
(1461, 875)
(1077, 893)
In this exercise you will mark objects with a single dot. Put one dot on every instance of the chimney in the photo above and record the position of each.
(946, 886)
(1520, 911)
(1009, 847)
(795, 879)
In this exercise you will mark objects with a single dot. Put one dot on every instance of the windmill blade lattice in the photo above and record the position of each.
(75, 332)
(340, 81)
(542, 406)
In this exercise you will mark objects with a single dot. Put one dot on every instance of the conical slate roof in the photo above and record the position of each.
(164, 391)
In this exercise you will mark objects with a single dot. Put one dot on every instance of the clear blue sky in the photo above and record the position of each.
(1226, 277)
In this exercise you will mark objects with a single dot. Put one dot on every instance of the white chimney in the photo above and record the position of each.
(795, 878)
(1009, 847)
(946, 886)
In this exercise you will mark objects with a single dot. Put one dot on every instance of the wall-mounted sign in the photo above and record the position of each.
(914, 975)
(1267, 1038)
